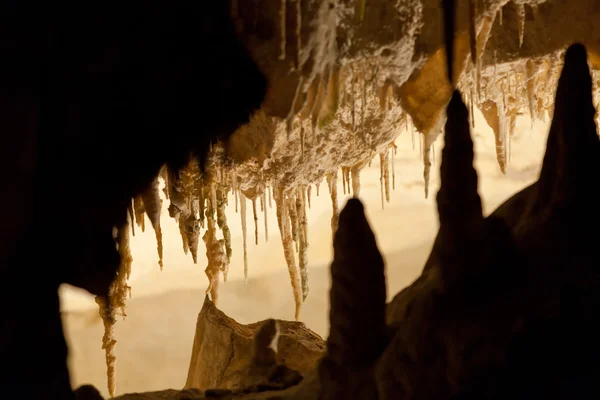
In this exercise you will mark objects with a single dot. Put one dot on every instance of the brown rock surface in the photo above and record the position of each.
(223, 350)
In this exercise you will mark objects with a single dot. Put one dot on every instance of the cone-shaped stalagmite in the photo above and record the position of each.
(459, 205)
(357, 309)
(573, 148)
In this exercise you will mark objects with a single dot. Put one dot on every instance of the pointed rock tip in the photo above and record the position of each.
(353, 209)
(457, 106)
(576, 69)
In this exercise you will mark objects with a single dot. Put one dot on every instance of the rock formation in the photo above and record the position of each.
(82, 97)
(505, 306)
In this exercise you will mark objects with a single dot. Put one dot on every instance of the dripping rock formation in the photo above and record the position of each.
(304, 89)
(506, 306)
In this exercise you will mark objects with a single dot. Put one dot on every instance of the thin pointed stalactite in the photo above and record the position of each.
(222, 223)
(426, 163)
(164, 173)
(343, 181)
(334, 201)
(131, 215)
(490, 111)
(269, 191)
(236, 195)
(181, 226)
(393, 156)
(308, 192)
(530, 89)
(153, 205)
(263, 207)
(293, 215)
(521, 22)
(281, 205)
(218, 261)
(244, 232)
(116, 302)
(381, 179)
(255, 216)
(138, 207)
(317, 185)
(355, 172)
(303, 242)
(385, 157)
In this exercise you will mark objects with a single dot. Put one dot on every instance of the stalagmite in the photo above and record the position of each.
(255, 215)
(303, 242)
(521, 22)
(358, 332)
(244, 230)
(153, 204)
(334, 201)
(282, 30)
(286, 239)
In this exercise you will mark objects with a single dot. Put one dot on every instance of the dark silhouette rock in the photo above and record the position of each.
(94, 100)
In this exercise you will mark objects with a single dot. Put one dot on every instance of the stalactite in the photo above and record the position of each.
(270, 195)
(530, 88)
(482, 39)
(235, 193)
(138, 207)
(222, 222)
(263, 207)
(433, 153)
(153, 205)
(255, 215)
(343, 180)
(394, 149)
(164, 173)
(490, 111)
(332, 178)
(184, 240)
(355, 172)
(108, 343)
(218, 260)
(293, 215)
(381, 179)
(308, 192)
(288, 250)
(117, 297)
(521, 22)
(244, 230)
(426, 163)
(131, 215)
(317, 185)
(282, 16)
(386, 174)
(303, 241)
